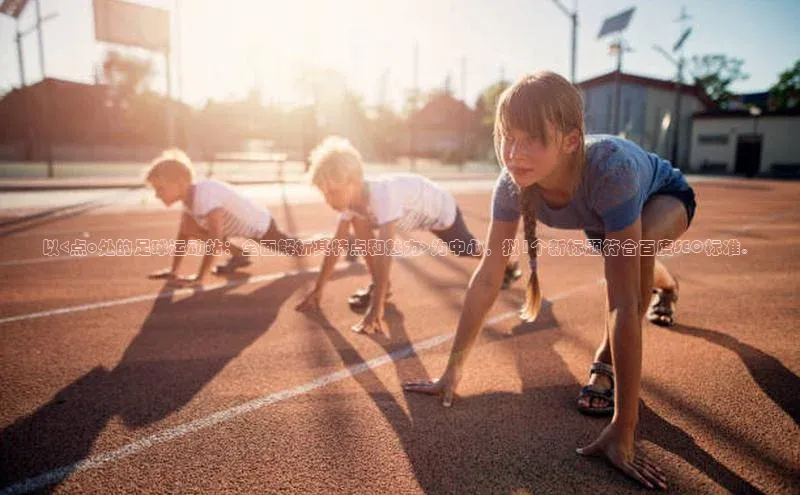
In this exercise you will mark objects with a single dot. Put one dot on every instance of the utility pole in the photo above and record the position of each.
(464, 122)
(414, 95)
(573, 16)
(45, 127)
(619, 46)
(616, 25)
(19, 57)
(679, 65)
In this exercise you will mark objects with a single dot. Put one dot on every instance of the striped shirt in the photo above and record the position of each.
(240, 216)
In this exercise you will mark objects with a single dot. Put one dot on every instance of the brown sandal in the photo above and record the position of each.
(592, 392)
(662, 307)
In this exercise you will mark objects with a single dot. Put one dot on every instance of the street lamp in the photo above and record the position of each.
(574, 19)
(678, 80)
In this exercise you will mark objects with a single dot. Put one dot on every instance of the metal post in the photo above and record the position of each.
(574, 46)
(44, 129)
(19, 57)
(573, 16)
(463, 122)
(676, 130)
(412, 141)
(168, 100)
(618, 87)
(39, 34)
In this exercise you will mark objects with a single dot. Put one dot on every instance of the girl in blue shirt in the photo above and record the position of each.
(616, 192)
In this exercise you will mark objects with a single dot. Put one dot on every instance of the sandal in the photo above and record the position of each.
(362, 297)
(662, 307)
(594, 392)
(511, 275)
(234, 263)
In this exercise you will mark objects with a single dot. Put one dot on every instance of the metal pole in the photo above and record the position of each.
(39, 33)
(179, 49)
(411, 142)
(168, 100)
(574, 19)
(574, 46)
(618, 87)
(19, 57)
(463, 155)
(676, 133)
(44, 129)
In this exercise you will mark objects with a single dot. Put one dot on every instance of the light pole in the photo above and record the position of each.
(574, 19)
(679, 63)
(14, 9)
(616, 25)
(678, 80)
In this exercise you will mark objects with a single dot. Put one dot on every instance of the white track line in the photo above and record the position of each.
(174, 433)
(58, 474)
(151, 297)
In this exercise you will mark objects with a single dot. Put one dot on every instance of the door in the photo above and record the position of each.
(748, 154)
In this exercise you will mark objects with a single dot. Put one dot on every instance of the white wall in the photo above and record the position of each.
(703, 154)
(780, 140)
(660, 103)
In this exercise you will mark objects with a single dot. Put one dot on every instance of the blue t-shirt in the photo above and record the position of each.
(618, 178)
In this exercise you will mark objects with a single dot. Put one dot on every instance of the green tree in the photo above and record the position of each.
(485, 108)
(786, 92)
(715, 73)
(128, 75)
(487, 102)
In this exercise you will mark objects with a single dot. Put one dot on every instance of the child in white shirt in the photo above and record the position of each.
(388, 205)
(213, 211)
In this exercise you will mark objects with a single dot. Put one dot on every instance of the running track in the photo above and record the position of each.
(113, 383)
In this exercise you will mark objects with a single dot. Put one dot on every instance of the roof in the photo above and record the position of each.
(443, 111)
(738, 114)
(610, 78)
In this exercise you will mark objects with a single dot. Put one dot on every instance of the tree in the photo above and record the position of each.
(786, 92)
(126, 75)
(715, 73)
(488, 100)
(485, 108)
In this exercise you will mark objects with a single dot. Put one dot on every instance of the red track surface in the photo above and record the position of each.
(149, 390)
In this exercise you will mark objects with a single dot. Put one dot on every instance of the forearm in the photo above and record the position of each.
(382, 267)
(481, 295)
(626, 351)
(205, 264)
(177, 257)
(213, 243)
(325, 272)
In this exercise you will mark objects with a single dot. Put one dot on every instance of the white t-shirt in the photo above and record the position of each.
(240, 216)
(413, 201)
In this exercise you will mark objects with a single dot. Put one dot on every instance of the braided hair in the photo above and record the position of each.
(529, 105)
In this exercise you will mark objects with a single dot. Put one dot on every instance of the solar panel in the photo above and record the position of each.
(616, 23)
(680, 41)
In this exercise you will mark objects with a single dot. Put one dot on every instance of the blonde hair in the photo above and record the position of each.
(171, 166)
(335, 160)
(529, 105)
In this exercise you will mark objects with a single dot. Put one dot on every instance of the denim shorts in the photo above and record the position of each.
(686, 197)
(459, 232)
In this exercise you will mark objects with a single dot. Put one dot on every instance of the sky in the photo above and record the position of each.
(222, 50)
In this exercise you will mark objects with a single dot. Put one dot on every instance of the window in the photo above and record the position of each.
(719, 139)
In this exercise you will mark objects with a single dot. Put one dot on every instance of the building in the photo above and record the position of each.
(646, 111)
(444, 128)
(746, 142)
(74, 121)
